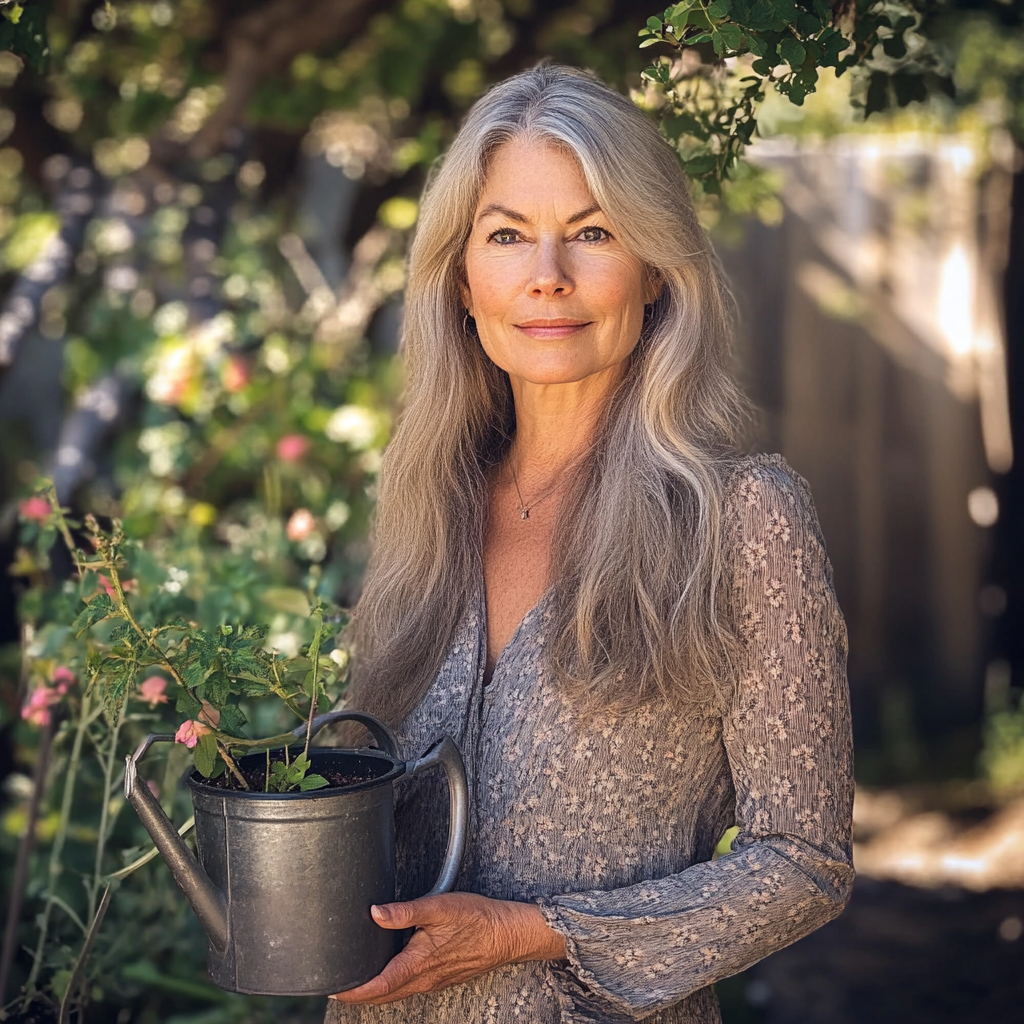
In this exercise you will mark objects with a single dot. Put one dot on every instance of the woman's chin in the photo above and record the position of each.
(555, 374)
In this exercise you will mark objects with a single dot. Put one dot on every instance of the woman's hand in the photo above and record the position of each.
(458, 936)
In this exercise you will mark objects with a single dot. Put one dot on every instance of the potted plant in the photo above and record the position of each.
(294, 842)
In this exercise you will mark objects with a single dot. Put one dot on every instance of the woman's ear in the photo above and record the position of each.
(467, 297)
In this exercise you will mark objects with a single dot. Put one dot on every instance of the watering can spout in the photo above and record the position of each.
(206, 900)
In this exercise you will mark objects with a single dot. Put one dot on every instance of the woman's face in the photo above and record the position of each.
(556, 297)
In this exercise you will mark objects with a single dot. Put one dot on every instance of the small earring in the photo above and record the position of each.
(469, 326)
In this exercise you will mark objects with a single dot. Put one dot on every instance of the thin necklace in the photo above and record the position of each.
(524, 509)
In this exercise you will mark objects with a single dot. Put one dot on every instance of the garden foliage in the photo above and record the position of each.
(197, 339)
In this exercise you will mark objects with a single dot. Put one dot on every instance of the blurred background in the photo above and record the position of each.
(204, 213)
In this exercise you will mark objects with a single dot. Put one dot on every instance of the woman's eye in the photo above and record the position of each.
(593, 234)
(504, 236)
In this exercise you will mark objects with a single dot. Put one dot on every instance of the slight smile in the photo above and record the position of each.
(553, 329)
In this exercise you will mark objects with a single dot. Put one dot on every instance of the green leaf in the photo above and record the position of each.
(700, 165)
(99, 608)
(118, 676)
(312, 782)
(187, 705)
(232, 720)
(808, 25)
(654, 25)
(719, 9)
(757, 46)
(218, 687)
(792, 52)
(732, 35)
(677, 125)
(206, 754)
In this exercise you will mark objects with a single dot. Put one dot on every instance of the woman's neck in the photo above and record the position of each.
(555, 426)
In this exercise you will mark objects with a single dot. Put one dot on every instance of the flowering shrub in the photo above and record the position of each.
(212, 671)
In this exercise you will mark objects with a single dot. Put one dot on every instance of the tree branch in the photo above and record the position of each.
(262, 43)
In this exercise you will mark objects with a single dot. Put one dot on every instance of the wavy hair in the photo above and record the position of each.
(636, 561)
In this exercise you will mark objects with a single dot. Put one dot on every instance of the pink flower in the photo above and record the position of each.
(189, 733)
(292, 447)
(37, 708)
(36, 509)
(152, 690)
(62, 679)
(301, 525)
(235, 375)
(126, 585)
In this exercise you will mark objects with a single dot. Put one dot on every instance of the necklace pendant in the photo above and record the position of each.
(525, 514)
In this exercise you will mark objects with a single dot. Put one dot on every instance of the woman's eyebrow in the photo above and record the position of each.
(521, 219)
(503, 210)
(584, 213)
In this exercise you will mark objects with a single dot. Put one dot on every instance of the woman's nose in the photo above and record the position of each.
(550, 272)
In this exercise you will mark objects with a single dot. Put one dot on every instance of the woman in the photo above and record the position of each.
(629, 629)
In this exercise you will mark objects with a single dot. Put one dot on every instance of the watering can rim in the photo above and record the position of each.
(197, 783)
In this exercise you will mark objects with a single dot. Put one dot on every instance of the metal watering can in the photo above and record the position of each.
(285, 881)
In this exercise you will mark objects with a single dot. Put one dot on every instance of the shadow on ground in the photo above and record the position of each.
(898, 955)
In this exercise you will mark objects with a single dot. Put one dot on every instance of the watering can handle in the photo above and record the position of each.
(446, 754)
(380, 732)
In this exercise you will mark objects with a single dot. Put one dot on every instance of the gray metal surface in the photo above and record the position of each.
(284, 882)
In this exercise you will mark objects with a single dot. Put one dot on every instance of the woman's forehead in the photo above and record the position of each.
(532, 177)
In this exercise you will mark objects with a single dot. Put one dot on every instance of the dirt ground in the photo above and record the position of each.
(898, 955)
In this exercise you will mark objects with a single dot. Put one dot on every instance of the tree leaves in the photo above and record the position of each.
(793, 52)
(709, 109)
(23, 30)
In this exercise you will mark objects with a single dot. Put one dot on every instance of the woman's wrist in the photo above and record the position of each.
(539, 940)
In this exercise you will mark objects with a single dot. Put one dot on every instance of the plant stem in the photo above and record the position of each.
(266, 783)
(24, 854)
(315, 652)
(90, 938)
(57, 849)
(232, 767)
(62, 526)
(108, 775)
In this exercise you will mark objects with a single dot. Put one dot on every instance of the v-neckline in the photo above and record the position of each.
(484, 678)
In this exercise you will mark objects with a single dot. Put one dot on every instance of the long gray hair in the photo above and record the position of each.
(636, 561)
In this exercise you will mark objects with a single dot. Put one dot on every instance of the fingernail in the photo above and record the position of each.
(378, 912)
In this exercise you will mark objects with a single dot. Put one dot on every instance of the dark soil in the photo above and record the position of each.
(897, 955)
(256, 778)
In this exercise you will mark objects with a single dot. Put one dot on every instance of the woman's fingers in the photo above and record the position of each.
(418, 968)
(458, 936)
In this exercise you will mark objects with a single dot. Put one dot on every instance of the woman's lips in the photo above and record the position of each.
(553, 329)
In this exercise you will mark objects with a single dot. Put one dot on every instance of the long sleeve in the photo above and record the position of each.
(786, 731)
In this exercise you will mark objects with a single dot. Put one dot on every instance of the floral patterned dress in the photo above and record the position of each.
(610, 824)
